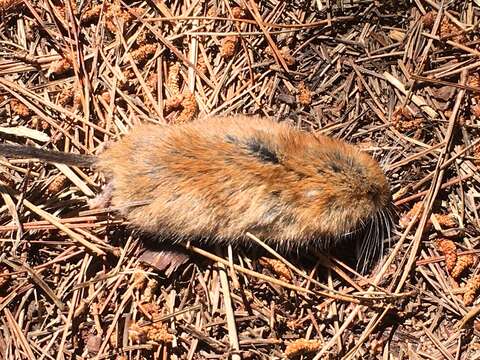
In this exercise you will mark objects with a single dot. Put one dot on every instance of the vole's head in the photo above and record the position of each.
(344, 189)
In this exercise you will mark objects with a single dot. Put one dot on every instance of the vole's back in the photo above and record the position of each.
(218, 178)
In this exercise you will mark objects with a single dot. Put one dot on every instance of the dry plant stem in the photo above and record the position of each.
(337, 268)
(258, 18)
(445, 83)
(457, 180)
(444, 166)
(15, 328)
(417, 100)
(468, 317)
(125, 299)
(144, 86)
(438, 344)
(75, 179)
(55, 222)
(413, 157)
(439, 8)
(38, 280)
(424, 57)
(435, 187)
(229, 311)
(71, 310)
(19, 92)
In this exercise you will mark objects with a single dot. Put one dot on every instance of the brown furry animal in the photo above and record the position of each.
(221, 177)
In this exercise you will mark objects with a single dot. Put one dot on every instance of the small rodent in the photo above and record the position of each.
(220, 177)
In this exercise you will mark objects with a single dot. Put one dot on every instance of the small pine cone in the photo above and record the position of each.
(429, 19)
(150, 289)
(212, 12)
(115, 13)
(174, 103)
(304, 96)
(285, 52)
(190, 108)
(91, 15)
(463, 262)
(476, 154)
(474, 80)
(155, 332)
(475, 109)
(302, 347)
(447, 28)
(471, 289)
(173, 79)
(57, 184)
(111, 25)
(153, 309)
(238, 12)
(93, 344)
(152, 81)
(277, 267)
(403, 120)
(131, 14)
(287, 56)
(137, 333)
(66, 97)
(60, 10)
(405, 219)
(142, 38)
(449, 250)
(412, 125)
(143, 52)
(19, 108)
(60, 67)
(229, 45)
(201, 65)
(106, 96)
(158, 332)
(446, 220)
(139, 279)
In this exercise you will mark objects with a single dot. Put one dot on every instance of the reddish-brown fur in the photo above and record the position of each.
(218, 178)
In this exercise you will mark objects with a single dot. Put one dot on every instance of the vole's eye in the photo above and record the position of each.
(335, 168)
(373, 193)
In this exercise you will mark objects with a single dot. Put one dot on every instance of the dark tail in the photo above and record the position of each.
(51, 156)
